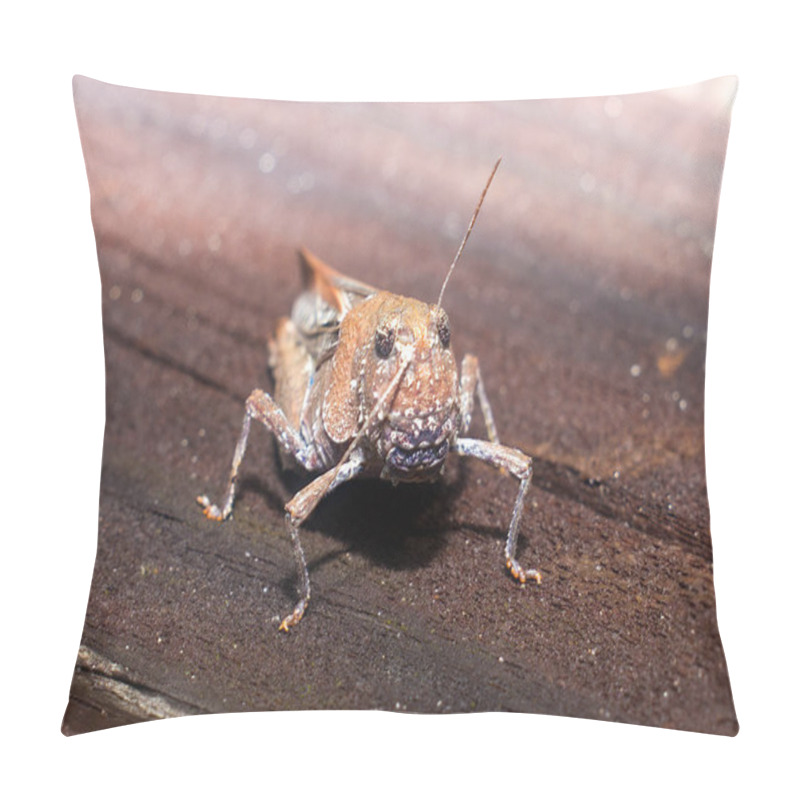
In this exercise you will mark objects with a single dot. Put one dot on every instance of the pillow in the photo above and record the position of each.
(583, 297)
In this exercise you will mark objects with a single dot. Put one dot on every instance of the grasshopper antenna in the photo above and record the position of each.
(466, 235)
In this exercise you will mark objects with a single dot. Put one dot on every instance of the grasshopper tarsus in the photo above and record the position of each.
(520, 575)
(294, 617)
(210, 511)
(302, 572)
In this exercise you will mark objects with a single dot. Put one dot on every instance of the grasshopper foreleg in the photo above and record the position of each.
(298, 510)
(506, 459)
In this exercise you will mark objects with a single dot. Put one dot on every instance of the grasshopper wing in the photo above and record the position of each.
(326, 298)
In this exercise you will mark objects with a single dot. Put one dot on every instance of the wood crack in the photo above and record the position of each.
(112, 332)
(615, 503)
(103, 686)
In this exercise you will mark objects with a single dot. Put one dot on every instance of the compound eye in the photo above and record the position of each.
(443, 328)
(384, 342)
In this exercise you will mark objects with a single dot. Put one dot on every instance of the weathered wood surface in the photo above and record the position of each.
(583, 292)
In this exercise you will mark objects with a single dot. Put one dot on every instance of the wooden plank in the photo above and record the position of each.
(583, 292)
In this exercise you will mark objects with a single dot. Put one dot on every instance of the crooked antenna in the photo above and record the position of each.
(466, 235)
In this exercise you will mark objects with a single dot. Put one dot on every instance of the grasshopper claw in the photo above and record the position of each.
(522, 575)
(209, 510)
(294, 617)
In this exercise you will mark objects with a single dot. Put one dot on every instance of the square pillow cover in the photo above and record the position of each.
(496, 492)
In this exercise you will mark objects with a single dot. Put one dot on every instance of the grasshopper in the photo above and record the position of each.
(366, 385)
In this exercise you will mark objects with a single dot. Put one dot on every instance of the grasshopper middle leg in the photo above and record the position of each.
(260, 406)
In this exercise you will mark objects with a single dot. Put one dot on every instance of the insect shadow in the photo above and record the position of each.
(400, 527)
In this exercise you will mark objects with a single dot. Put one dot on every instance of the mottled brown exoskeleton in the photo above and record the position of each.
(366, 385)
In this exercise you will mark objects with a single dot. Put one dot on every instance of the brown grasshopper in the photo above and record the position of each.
(366, 385)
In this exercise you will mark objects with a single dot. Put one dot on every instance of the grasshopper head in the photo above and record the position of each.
(407, 381)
